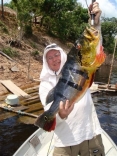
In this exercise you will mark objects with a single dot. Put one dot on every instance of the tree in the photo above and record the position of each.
(2, 9)
(109, 30)
(65, 19)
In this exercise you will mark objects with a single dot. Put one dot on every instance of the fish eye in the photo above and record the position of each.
(45, 118)
(78, 46)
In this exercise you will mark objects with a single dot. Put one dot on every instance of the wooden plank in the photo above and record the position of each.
(6, 56)
(34, 97)
(10, 87)
(105, 87)
(6, 115)
(17, 108)
(33, 103)
(2, 98)
(13, 88)
(34, 107)
(27, 103)
(32, 90)
(94, 91)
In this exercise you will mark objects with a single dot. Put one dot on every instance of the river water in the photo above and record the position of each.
(106, 102)
(13, 132)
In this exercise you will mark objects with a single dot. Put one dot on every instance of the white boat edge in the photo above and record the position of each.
(41, 143)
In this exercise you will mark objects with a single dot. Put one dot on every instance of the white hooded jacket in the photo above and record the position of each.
(82, 123)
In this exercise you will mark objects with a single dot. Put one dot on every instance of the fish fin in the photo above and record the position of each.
(100, 58)
(92, 79)
(47, 125)
(50, 96)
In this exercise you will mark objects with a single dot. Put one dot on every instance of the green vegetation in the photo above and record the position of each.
(109, 30)
(35, 53)
(10, 52)
(33, 44)
(3, 28)
(64, 19)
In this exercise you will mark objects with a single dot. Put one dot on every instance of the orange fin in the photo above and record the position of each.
(92, 79)
(100, 58)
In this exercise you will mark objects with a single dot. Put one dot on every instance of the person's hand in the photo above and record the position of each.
(65, 109)
(95, 10)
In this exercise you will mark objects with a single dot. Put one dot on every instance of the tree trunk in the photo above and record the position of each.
(2, 9)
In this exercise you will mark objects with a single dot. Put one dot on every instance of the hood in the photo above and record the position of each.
(47, 74)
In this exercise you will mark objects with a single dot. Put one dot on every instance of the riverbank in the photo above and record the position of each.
(108, 60)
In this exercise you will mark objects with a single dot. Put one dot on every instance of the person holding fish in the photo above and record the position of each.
(65, 95)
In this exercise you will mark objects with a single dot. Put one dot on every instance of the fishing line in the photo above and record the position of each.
(50, 145)
(87, 6)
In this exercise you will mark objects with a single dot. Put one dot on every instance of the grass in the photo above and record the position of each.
(10, 52)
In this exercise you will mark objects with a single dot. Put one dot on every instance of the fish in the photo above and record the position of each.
(83, 59)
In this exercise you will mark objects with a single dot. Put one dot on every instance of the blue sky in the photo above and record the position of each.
(108, 7)
(6, 1)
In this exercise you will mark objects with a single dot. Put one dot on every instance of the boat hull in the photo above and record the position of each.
(42, 143)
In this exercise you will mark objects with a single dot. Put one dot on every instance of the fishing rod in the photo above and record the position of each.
(92, 15)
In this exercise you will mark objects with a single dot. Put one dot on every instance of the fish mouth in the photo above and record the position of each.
(88, 42)
(91, 34)
(46, 122)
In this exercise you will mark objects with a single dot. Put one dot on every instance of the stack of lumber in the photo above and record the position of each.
(29, 105)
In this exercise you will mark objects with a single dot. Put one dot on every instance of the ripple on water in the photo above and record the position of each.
(13, 134)
(106, 107)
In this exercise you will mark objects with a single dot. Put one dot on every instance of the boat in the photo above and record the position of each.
(41, 143)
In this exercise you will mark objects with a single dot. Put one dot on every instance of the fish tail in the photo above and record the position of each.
(46, 122)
